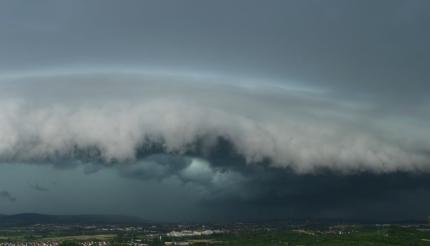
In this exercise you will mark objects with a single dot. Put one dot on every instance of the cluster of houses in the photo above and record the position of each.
(190, 233)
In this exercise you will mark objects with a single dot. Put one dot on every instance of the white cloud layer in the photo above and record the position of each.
(43, 118)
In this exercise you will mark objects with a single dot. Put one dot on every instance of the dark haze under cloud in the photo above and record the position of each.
(38, 187)
(7, 196)
(269, 109)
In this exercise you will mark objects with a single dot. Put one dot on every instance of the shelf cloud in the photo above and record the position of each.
(302, 130)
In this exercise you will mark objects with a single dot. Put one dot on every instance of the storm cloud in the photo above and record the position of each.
(247, 108)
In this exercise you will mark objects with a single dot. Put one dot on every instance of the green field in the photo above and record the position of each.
(390, 236)
(56, 237)
(98, 237)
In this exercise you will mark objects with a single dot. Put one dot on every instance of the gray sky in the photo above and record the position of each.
(230, 104)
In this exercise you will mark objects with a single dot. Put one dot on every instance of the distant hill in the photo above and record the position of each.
(33, 218)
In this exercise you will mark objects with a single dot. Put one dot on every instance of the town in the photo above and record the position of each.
(279, 233)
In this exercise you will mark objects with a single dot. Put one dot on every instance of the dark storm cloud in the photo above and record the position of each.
(5, 195)
(259, 191)
(279, 194)
(243, 191)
